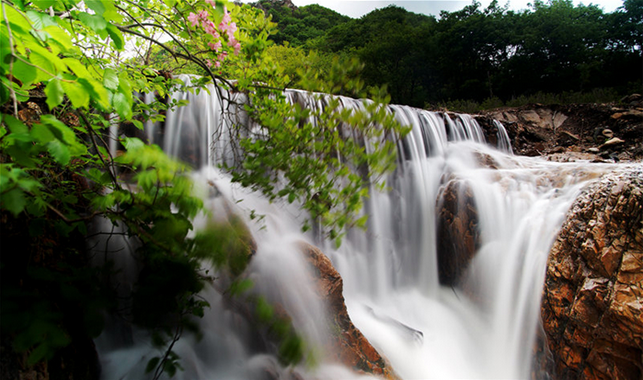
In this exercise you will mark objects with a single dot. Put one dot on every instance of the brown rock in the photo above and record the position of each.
(592, 309)
(612, 142)
(29, 113)
(633, 98)
(457, 231)
(348, 344)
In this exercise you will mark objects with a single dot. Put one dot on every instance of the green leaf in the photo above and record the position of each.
(59, 36)
(77, 67)
(110, 79)
(124, 85)
(62, 131)
(138, 124)
(40, 20)
(22, 156)
(15, 125)
(4, 92)
(38, 354)
(76, 93)
(96, 5)
(217, 13)
(122, 106)
(16, 20)
(20, 4)
(240, 286)
(24, 72)
(59, 151)
(44, 4)
(95, 22)
(264, 311)
(41, 133)
(151, 365)
(97, 92)
(45, 65)
(170, 368)
(116, 36)
(55, 93)
(132, 143)
(13, 201)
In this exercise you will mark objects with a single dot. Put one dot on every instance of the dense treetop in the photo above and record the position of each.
(298, 25)
(480, 53)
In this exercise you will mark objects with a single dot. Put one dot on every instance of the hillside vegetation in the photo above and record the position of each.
(489, 55)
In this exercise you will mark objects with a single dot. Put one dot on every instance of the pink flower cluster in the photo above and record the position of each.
(226, 28)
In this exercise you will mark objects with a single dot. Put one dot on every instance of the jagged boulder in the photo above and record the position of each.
(457, 231)
(592, 308)
(347, 342)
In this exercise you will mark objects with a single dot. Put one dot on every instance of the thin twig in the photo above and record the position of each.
(175, 338)
(71, 221)
(188, 56)
(13, 54)
(91, 132)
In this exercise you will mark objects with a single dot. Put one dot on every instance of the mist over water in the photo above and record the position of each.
(481, 328)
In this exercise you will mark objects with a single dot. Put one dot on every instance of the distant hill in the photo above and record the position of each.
(297, 25)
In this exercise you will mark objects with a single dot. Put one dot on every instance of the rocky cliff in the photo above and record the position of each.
(593, 132)
(592, 308)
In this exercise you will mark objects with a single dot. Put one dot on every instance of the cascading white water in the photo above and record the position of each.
(482, 328)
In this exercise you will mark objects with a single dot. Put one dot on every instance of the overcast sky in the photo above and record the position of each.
(358, 8)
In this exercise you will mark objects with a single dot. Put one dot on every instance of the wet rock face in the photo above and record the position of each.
(457, 231)
(592, 306)
(347, 343)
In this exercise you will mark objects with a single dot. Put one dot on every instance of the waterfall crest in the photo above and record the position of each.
(482, 326)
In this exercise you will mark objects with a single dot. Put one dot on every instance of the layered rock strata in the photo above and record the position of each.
(592, 308)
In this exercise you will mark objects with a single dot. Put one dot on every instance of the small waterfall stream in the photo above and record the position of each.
(480, 327)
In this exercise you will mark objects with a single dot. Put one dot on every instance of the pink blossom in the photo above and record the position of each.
(229, 29)
(211, 2)
(226, 17)
(237, 47)
(203, 15)
(209, 63)
(193, 18)
(216, 46)
(217, 64)
(209, 28)
(232, 27)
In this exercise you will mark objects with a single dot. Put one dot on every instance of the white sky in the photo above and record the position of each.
(358, 8)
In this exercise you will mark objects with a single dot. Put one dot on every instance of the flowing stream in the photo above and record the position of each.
(481, 326)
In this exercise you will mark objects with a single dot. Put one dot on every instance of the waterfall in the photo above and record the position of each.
(482, 324)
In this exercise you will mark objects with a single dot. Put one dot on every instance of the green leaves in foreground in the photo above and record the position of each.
(328, 155)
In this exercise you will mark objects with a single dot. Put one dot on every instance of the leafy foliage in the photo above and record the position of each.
(66, 80)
